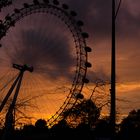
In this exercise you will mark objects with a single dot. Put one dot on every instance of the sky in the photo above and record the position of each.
(96, 15)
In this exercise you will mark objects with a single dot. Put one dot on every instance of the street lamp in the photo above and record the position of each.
(113, 73)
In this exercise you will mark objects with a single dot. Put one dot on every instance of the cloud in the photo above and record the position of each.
(98, 75)
(96, 15)
(51, 54)
(128, 20)
(44, 43)
(48, 55)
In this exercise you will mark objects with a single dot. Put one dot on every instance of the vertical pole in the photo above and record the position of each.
(113, 73)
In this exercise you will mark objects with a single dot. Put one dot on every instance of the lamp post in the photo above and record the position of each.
(113, 74)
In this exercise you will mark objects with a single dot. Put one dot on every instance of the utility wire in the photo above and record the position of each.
(118, 8)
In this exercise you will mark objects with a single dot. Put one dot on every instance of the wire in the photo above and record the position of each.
(118, 8)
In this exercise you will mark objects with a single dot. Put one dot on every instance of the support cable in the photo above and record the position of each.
(118, 8)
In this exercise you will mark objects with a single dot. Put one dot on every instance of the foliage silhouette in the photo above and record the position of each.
(41, 123)
(85, 112)
(130, 126)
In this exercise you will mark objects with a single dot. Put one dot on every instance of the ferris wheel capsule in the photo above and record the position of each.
(65, 6)
(88, 49)
(55, 2)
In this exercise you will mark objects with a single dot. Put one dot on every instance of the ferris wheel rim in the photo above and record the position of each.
(79, 37)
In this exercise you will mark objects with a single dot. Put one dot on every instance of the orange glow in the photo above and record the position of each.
(127, 87)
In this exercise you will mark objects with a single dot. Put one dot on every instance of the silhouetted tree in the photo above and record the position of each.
(130, 126)
(41, 124)
(28, 129)
(61, 125)
(102, 128)
(85, 112)
(20, 117)
(61, 130)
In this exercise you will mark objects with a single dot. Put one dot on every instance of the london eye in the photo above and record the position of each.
(44, 61)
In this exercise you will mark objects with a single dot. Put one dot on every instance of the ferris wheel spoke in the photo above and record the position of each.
(7, 84)
(4, 74)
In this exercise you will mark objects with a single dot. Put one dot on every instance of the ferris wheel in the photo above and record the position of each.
(43, 59)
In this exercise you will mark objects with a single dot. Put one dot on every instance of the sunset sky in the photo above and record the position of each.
(96, 15)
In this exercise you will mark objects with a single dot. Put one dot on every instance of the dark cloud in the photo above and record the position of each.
(48, 55)
(99, 75)
(44, 44)
(96, 15)
(127, 23)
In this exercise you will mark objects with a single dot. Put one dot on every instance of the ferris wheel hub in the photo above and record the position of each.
(23, 68)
